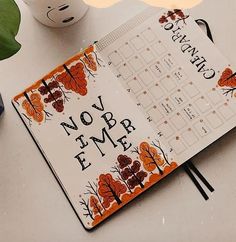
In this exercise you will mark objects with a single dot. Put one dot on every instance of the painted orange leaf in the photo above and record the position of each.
(74, 79)
(225, 80)
(34, 107)
(96, 207)
(90, 62)
(110, 190)
(150, 157)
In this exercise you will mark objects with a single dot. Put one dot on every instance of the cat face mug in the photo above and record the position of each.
(57, 13)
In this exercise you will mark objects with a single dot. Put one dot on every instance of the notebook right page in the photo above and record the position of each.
(175, 74)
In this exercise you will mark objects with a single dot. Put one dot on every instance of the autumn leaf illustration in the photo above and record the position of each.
(74, 79)
(227, 79)
(110, 190)
(34, 107)
(131, 171)
(96, 207)
(90, 62)
(150, 157)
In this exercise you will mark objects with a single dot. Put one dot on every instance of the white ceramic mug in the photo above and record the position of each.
(57, 13)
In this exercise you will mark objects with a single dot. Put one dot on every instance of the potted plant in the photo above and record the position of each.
(9, 26)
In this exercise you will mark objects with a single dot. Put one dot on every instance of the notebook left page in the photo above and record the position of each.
(98, 144)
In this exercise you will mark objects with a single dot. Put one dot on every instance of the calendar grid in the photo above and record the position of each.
(182, 113)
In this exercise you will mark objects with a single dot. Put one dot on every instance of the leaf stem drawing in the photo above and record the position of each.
(86, 68)
(87, 210)
(227, 91)
(93, 190)
(98, 60)
(29, 119)
(158, 145)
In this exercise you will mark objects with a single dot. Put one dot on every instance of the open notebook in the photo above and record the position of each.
(121, 115)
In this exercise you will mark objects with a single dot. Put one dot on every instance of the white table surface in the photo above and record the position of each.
(33, 207)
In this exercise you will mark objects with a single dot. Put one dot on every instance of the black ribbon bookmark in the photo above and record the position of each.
(189, 167)
(208, 30)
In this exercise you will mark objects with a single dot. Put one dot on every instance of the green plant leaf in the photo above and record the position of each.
(9, 26)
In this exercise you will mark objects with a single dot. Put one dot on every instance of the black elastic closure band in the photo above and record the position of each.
(190, 169)
(201, 177)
